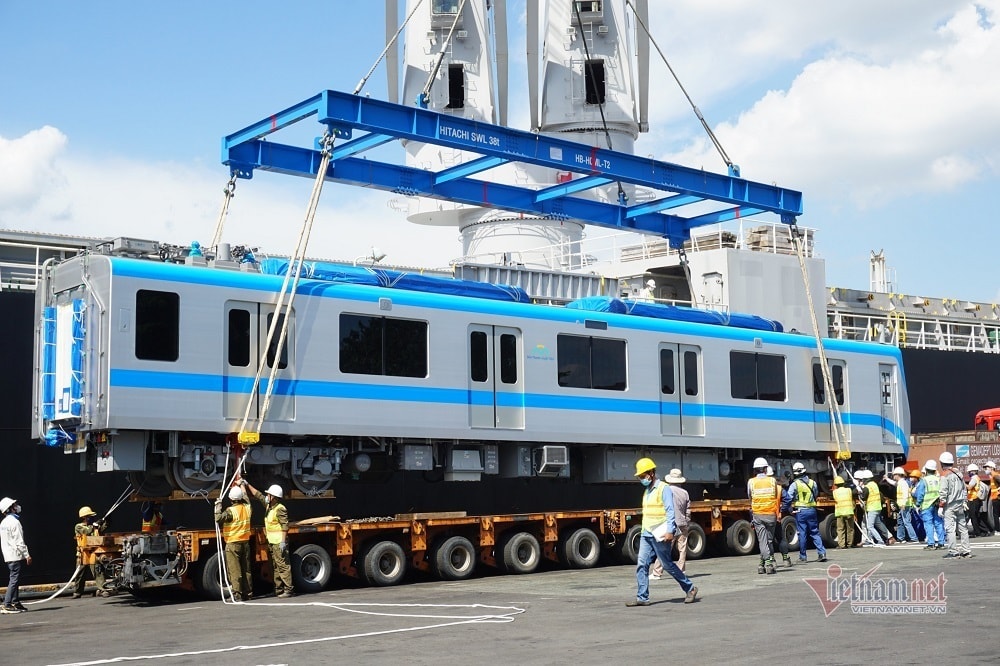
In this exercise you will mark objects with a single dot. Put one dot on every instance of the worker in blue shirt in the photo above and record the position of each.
(802, 493)
(658, 527)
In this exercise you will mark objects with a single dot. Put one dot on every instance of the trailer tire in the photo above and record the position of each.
(454, 559)
(384, 563)
(520, 553)
(791, 532)
(697, 543)
(828, 531)
(312, 568)
(740, 538)
(206, 580)
(581, 549)
(627, 550)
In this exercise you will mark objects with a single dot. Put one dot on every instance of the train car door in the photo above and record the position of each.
(496, 377)
(822, 422)
(682, 396)
(245, 332)
(889, 392)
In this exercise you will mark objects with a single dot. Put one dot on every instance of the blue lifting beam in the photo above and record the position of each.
(365, 124)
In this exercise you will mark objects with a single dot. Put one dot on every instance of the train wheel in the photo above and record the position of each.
(791, 532)
(191, 486)
(627, 549)
(740, 538)
(384, 563)
(520, 553)
(311, 568)
(581, 548)
(454, 559)
(311, 486)
(697, 543)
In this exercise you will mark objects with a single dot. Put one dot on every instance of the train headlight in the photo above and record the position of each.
(725, 468)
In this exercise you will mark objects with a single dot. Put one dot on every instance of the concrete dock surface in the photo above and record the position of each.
(898, 604)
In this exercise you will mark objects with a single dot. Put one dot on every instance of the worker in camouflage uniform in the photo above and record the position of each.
(89, 526)
(276, 530)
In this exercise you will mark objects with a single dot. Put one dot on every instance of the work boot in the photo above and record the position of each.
(769, 567)
(788, 561)
(19, 606)
(760, 567)
(8, 609)
(892, 541)
(636, 602)
(76, 595)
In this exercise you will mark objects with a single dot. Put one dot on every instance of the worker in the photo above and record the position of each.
(15, 553)
(918, 523)
(152, 517)
(235, 522)
(648, 292)
(904, 506)
(780, 540)
(276, 530)
(977, 492)
(89, 525)
(990, 470)
(871, 497)
(803, 493)
(658, 527)
(925, 495)
(843, 511)
(952, 500)
(764, 495)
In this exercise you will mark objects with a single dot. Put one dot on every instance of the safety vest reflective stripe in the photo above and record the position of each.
(874, 502)
(763, 496)
(653, 510)
(153, 524)
(804, 494)
(843, 500)
(239, 528)
(903, 499)
(271, 525)
(933, 484)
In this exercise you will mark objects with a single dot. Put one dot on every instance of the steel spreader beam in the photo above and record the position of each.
(344, 114)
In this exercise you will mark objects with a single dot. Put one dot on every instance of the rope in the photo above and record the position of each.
(425, 94)
(282, 309)
(228, 192)
(836, 420)
(364, 79)
(697, 112)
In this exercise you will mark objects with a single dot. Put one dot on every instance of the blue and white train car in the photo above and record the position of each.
(148, 366)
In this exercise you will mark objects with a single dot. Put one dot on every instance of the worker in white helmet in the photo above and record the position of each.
(276, 530)
(802, 493)
(953, 501)
(235, 522)
(648, 292)
(905, 531)
(925, 496)
(765, 504)
(15, 553)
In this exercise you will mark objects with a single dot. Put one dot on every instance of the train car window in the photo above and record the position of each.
(591, 363)
(508, 358)
(157, 325)
(690, 373)
(837, 369)
(383, 346)
(360, 344)
(757, 376)
(667, 372)
(771, 377)
(272, 349)
(239, 338)
(405, 348)
(478, 357)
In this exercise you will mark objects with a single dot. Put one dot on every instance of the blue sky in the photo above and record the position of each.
(885, 115)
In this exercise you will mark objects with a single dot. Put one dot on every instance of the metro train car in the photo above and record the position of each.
(149, 366)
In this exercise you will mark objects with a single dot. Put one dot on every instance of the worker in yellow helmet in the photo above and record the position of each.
(89, 525)
(843, 511)
(658, 527)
